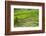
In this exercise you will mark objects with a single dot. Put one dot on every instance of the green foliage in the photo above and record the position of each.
(26, 17)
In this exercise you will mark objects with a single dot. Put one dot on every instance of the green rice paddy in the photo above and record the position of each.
(26, 17)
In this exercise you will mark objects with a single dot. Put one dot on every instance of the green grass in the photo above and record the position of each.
(26, 17)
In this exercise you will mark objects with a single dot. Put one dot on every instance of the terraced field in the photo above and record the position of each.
(26, 17)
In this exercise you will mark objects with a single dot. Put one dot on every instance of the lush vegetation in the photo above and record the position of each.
(26, 17)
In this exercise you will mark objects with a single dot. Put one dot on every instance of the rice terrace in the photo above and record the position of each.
(26, 17)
